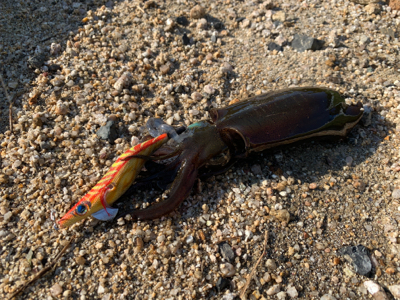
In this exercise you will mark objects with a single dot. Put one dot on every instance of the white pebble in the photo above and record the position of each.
(134, 141)
(328, 297)
(189, 239)
(292, 292)
(132, 116)
(56, 290)
(273, 290)
(7, 216)
(209, 89)
(100, 290)
(196, 96)
(372, 286)
(193, 112)
(227, 270)
(177, 117)
(395, 290)
(17, 164)
(281, 295)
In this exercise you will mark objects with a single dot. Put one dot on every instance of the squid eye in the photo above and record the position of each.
(81, 210)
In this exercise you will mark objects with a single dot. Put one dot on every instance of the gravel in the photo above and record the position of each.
(74, 66)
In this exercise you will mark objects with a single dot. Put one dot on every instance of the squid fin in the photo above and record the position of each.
(105, 215)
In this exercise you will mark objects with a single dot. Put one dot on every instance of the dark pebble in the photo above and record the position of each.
(45, 146)
(335, 79)
(179, 89)
(182, 21)
(273, 46)
(222, 284)
(358, 256)
(217, 25)
(185, 39)
(108, 132)
(240, 19)
(302, 43)
(366, 118)
(226, 251)
(37, 60)
(54, 67)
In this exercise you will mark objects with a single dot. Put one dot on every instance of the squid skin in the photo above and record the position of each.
(258, 123)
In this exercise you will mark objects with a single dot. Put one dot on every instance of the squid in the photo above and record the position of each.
(256, 124)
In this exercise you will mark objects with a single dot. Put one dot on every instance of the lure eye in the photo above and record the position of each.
(81, 210)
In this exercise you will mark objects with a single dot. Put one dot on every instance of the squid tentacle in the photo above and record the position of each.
(180, 190)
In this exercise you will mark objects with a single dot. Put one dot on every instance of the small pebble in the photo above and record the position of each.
(13, 84)
(267, 277)
(271, 265)
(358, 256)
(328, 297)
(312, 186)
(61, 109)
(80, 260)
(395, 290)
(273, 46)
(245, 23)
(164, 69)
(282, 215)
(197, 12)
(182, 21)
(302, 43)
(222, 284)
(56, 290)
(227, 270)
(108, 131)
(226, 68)
(349, 160)
(7, 216)
(281, 295)
(279, 16)
(375, 290)
(189, 239)
(373, 8)
(292, 292)
(226, 251)
(100, 289)
(196, 96)
(202, 24)
(396, 194)
(185, 39)
(273, 290)
(124, 81)
(209, 89)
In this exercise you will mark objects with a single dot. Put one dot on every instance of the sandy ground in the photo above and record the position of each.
(63, 61)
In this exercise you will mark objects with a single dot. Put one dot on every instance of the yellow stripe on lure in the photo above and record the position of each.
(97, 202)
